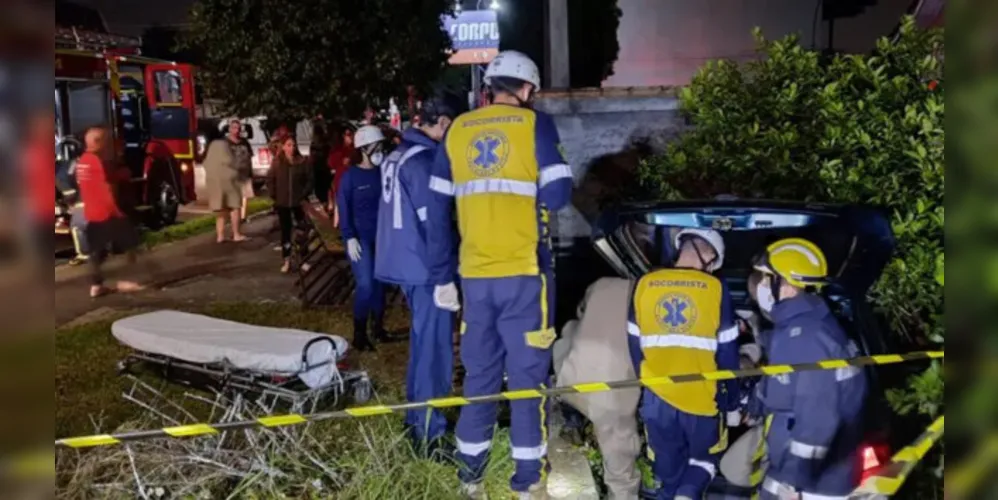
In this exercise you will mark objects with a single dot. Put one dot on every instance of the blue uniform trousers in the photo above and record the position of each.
(369, 296)
(833, 477)
(507, 328)
(680, 447)
(431, 360)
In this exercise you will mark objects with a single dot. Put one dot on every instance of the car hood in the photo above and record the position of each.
(857, 240)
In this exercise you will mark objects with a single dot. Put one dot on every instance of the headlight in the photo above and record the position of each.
(184, 167)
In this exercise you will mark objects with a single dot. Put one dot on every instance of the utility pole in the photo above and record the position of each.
(476, 85)
(557, 74)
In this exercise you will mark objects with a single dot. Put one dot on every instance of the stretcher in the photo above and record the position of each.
(295, 369)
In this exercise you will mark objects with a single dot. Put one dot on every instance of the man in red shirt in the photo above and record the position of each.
(107, 226)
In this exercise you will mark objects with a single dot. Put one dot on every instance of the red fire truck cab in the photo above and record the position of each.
(101, 79)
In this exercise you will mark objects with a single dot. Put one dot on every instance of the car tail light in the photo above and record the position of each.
(263, 154)
(872, 457)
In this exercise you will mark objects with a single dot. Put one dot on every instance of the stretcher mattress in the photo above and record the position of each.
(201, 339)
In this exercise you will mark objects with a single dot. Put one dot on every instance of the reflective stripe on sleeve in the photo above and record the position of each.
(807, 451)
(633, 329)
(507, 186)
(421, 213)
(442, 186)
(650, 341)
(553, 173)
(846, 373)
(707, 466)
(728, 335)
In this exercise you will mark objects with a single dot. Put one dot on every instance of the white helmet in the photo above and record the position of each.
(513, 64)
(711, 237)
(367, 135)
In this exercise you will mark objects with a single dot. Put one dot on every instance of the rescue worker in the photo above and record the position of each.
(503, 165)
(357, 202)
(681, 321)
(815, 417)
(107, 225)
(401, 259)
(591, 349)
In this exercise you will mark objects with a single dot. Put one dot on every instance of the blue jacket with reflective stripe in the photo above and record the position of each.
(817, 415)
(405, 182)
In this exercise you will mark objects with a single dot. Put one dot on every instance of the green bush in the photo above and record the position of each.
(799, 125)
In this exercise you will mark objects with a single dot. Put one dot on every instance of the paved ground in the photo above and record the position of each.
(64, 243)
(196, 270)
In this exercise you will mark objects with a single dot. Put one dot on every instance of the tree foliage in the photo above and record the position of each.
(297, 59)
(592, 36)
(163, 42)
(848, 129)
(592, 40)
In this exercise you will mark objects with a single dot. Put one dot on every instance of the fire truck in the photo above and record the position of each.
(102, 79)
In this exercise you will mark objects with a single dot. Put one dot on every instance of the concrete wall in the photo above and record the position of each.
(602, 130)
(663, 42)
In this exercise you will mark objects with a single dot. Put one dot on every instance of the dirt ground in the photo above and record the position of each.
(191, 272)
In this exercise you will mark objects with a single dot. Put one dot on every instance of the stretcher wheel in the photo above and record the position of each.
(362, 391)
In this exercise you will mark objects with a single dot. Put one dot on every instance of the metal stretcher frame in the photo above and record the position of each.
(283, 387)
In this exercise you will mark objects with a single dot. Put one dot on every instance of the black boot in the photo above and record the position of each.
(361, 341)
(378, 329)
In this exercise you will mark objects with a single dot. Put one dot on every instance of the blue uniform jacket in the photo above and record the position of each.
(817, 415)
(405, 180)
(357, 200)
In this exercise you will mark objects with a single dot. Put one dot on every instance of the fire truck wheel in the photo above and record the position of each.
(167, 204)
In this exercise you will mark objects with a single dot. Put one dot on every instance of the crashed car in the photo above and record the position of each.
(857, 241)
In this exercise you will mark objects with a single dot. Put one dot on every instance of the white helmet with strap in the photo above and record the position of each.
(513, 64)
(367, 135)
(713, 238)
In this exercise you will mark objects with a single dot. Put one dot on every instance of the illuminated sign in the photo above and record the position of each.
(474, 36)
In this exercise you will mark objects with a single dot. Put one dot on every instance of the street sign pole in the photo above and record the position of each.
(476, 85)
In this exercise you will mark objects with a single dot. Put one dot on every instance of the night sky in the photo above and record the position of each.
(132, 17)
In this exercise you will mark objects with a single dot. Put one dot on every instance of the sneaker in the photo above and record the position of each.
(305, 267)
(286, 267)
(278, 248)
(537, 491)
(474, 491)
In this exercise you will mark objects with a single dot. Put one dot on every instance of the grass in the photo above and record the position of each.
(198, 225)
(360, 459)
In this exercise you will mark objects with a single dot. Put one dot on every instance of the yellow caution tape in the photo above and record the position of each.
(889, 479)
(456, 401)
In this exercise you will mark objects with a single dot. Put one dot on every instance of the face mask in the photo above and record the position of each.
(764, 297)
(376, 158)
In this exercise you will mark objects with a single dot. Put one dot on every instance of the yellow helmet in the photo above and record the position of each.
(797, 261)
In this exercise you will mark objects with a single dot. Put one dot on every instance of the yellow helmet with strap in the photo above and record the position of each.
(797, 261)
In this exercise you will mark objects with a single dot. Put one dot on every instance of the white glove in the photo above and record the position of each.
(445, 297)
(353, 249)
(734, 418)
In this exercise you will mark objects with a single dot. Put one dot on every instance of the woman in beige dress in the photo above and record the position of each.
(242, 154)
(225, 188)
